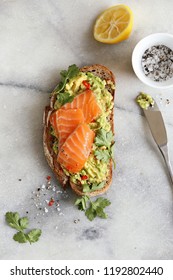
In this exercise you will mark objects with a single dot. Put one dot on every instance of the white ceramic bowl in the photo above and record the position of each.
(141, 47)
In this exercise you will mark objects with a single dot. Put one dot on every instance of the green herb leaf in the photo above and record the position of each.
(72, 71)
(101, 213)
(96, 208)
(34, 235)
(52, 131)
(104, 138)
(63, 98)
(101, 202)
(82, 202)
(90, 213)
(86, 188)
(55, 147)
(20, 237)
(96, 187)
(12, 220)
(89, 188)
(103, 155)
(23, 222)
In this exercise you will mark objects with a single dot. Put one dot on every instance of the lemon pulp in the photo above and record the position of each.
(114, 24)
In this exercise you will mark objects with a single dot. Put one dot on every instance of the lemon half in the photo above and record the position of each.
(114, 25)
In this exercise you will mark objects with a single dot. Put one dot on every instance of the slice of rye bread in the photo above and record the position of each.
(104, 73)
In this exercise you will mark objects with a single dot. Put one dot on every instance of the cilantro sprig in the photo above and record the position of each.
(91, 208)
(103, 155)
(20, 224)
(105, 141)
(66, 75)
(104, 138)
(87, 188)
(63, 98)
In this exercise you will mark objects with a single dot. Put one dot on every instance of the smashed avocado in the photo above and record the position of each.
(96, 168)
(144, 100)
(94, 171)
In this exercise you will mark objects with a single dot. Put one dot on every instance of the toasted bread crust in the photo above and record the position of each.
(104, 73)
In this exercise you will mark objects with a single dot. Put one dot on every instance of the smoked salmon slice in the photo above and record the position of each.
(64, 122)
(85, 101)
(76, 149)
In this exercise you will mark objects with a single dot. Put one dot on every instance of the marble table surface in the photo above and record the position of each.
(37, 40)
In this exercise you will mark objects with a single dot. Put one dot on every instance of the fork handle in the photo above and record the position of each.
(165, 154)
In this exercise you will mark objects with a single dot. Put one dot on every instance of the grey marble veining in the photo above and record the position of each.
(38, 39)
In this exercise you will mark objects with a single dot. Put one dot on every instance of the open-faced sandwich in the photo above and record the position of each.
(79, 129)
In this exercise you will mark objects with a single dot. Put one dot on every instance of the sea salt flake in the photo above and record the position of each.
(157, 63)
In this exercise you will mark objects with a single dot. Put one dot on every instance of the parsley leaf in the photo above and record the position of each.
(20, 224)
(63, 98)
(101, 213)
(97, 186)
(34, 235)
(82, 202)
(14, 221)
(20, 237)
(101, 202)
(90, 213)
(86, 188)
(96, 208)
(23, 223)
(104, 138)
(72, 71)
(93, 187)
(103, 155)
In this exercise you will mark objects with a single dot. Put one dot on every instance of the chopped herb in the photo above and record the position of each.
(13, 220)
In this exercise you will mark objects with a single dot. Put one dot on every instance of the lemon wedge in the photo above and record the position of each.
(114, 24)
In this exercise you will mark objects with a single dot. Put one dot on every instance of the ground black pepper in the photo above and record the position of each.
(157, 63)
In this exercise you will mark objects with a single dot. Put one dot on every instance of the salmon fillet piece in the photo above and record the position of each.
(76, 149)
(64, 122)
(87, 102)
